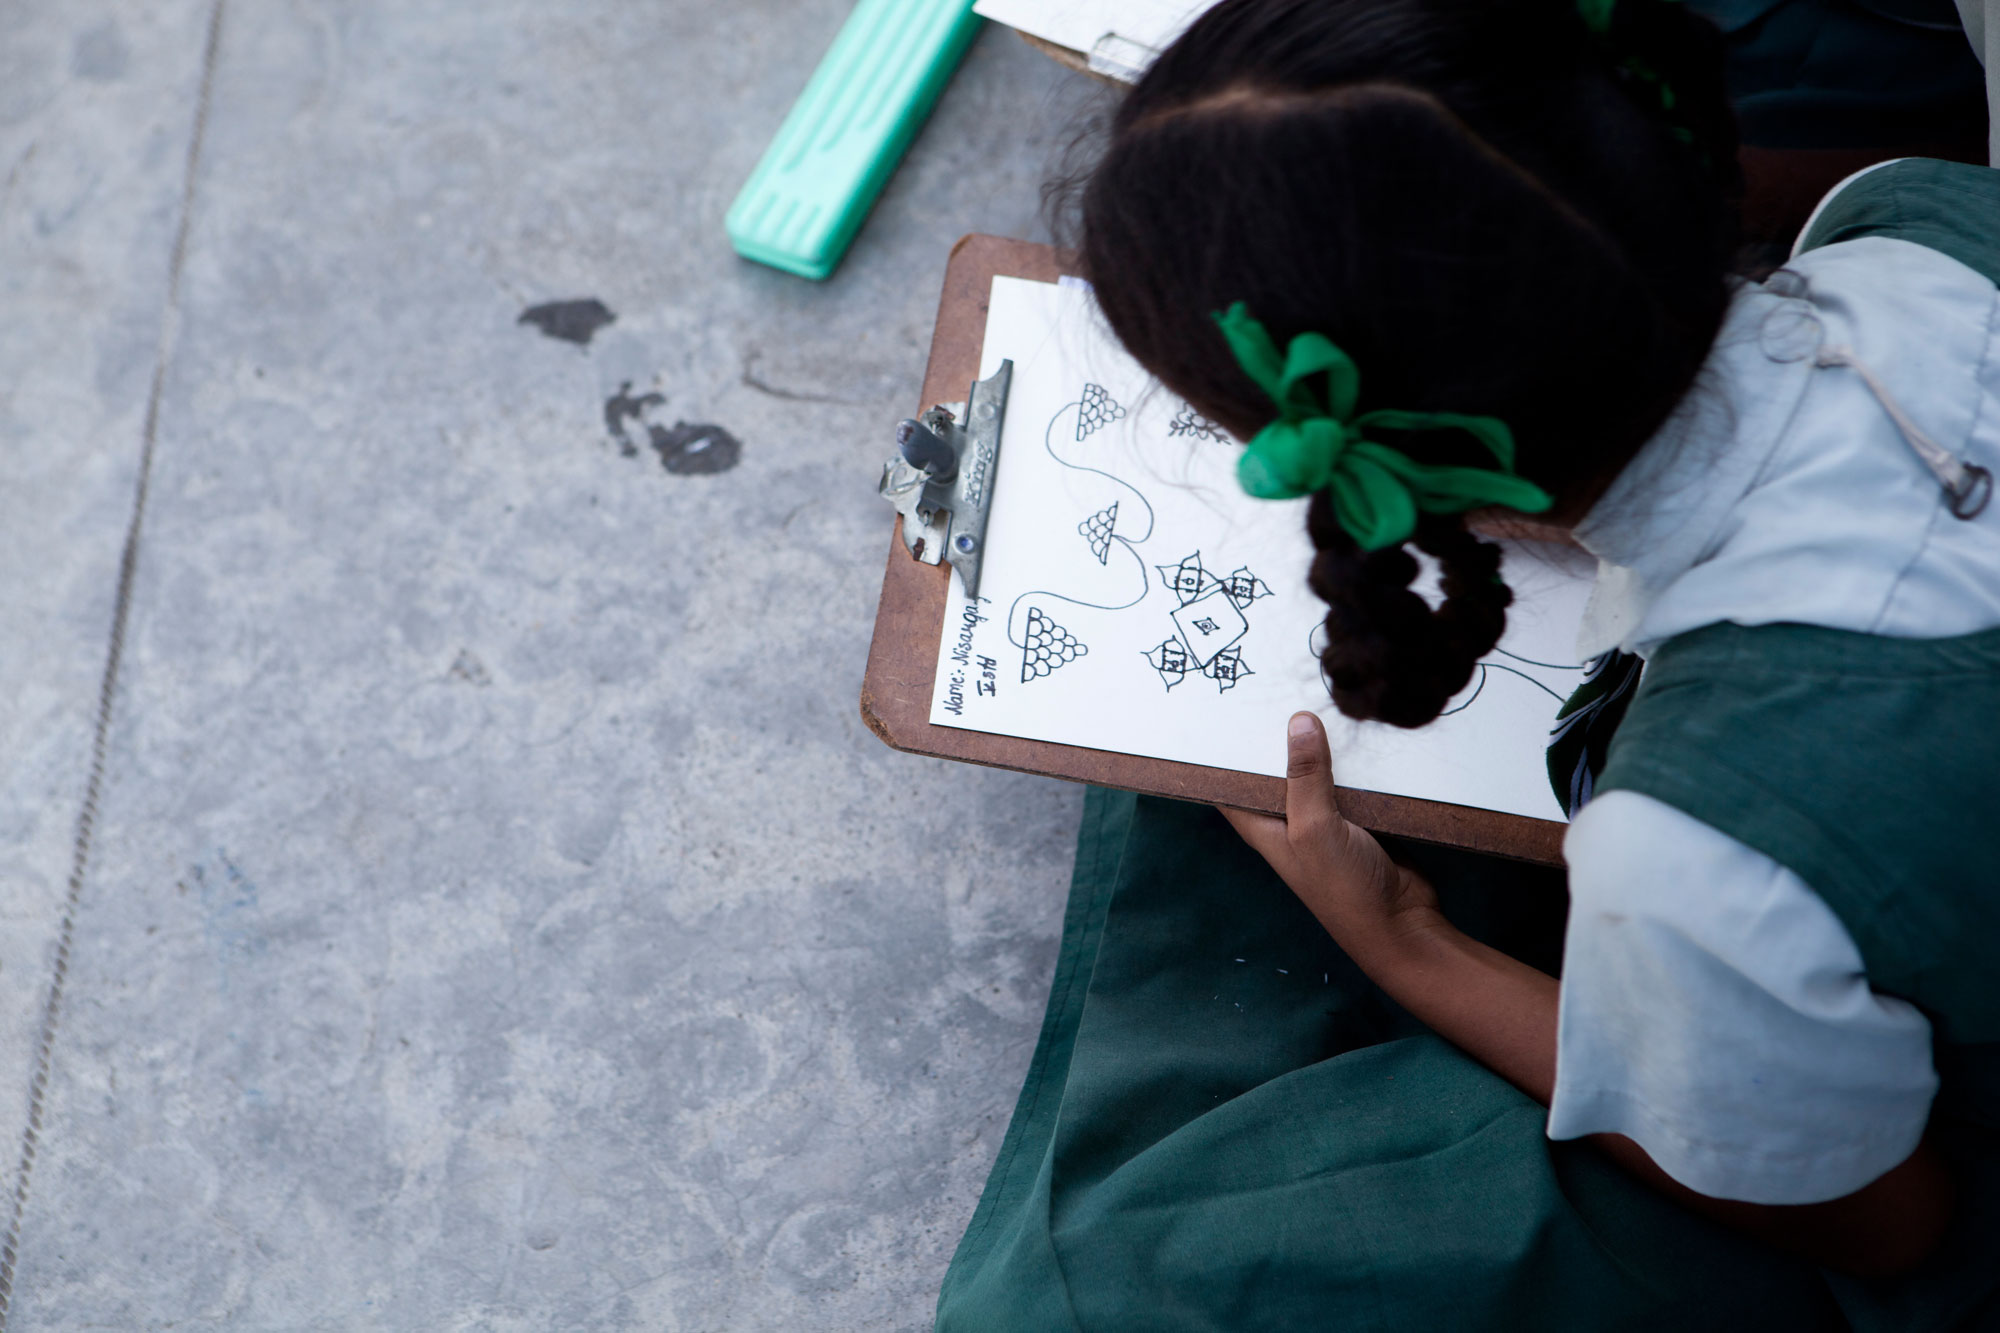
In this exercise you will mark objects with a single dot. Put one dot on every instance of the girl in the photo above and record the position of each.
(1424, 255)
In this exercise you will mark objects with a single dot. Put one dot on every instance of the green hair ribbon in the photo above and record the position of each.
(1596, 16)
(1376, 490)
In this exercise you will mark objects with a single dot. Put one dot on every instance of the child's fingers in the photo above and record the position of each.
(1265, 833)
(1310, 811)
(1267, 837)
(1298, 838)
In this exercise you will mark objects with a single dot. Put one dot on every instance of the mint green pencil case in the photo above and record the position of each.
(843, 138)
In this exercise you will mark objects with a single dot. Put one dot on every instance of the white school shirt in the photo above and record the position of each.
(1713, 1008)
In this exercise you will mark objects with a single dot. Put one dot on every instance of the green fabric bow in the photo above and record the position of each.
(1376, 490)
(1596, 16)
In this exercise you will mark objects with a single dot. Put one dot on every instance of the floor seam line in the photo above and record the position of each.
(128, 562)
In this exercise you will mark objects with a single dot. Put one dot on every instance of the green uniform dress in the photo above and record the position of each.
(1773, 735)
(1227, 1126)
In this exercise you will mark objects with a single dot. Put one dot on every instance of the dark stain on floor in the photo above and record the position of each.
(686, 448)
(572, 321)
(695, 448)
(622, 407)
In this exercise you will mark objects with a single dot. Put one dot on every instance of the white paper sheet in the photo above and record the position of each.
(1134, 599)
(1079, 25)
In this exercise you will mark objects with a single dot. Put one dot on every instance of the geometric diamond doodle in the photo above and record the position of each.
(1208, 622)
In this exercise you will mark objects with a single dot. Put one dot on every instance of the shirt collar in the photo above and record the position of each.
(1667, 510)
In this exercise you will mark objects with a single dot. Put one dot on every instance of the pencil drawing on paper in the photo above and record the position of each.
(1137, 602)
(1098, 409)
(1555, 679)
(1189, 422)
(1095, 409)
(1097, 530)
(1209, 621)
(1118, 519)
(1048, 646)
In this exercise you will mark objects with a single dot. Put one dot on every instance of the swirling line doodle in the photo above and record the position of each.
(1555, 679)
(1049, 646)
(1209, 624)
(1566, 676)
(1095, 409)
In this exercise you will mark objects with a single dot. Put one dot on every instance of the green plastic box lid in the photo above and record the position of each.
(802, 206)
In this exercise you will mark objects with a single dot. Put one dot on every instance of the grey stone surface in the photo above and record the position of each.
(90, 183)
(499, 917)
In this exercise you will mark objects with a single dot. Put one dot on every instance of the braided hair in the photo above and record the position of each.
(1491, 205)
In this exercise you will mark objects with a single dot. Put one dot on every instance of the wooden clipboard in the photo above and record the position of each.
(902, 661)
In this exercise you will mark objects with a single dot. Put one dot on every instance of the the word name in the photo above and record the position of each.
(954, 694)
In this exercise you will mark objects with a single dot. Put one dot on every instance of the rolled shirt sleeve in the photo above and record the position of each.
(1715, 1010)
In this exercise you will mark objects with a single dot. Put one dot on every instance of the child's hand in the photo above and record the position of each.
(1338, 870)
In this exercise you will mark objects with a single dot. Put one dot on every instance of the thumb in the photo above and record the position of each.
(1309, 804)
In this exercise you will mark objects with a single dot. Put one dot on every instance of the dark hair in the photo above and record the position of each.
(1481, 202)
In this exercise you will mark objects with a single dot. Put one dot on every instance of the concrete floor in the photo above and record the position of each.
(492, 912)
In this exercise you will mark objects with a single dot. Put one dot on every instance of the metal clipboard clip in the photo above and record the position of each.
(941, 480)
